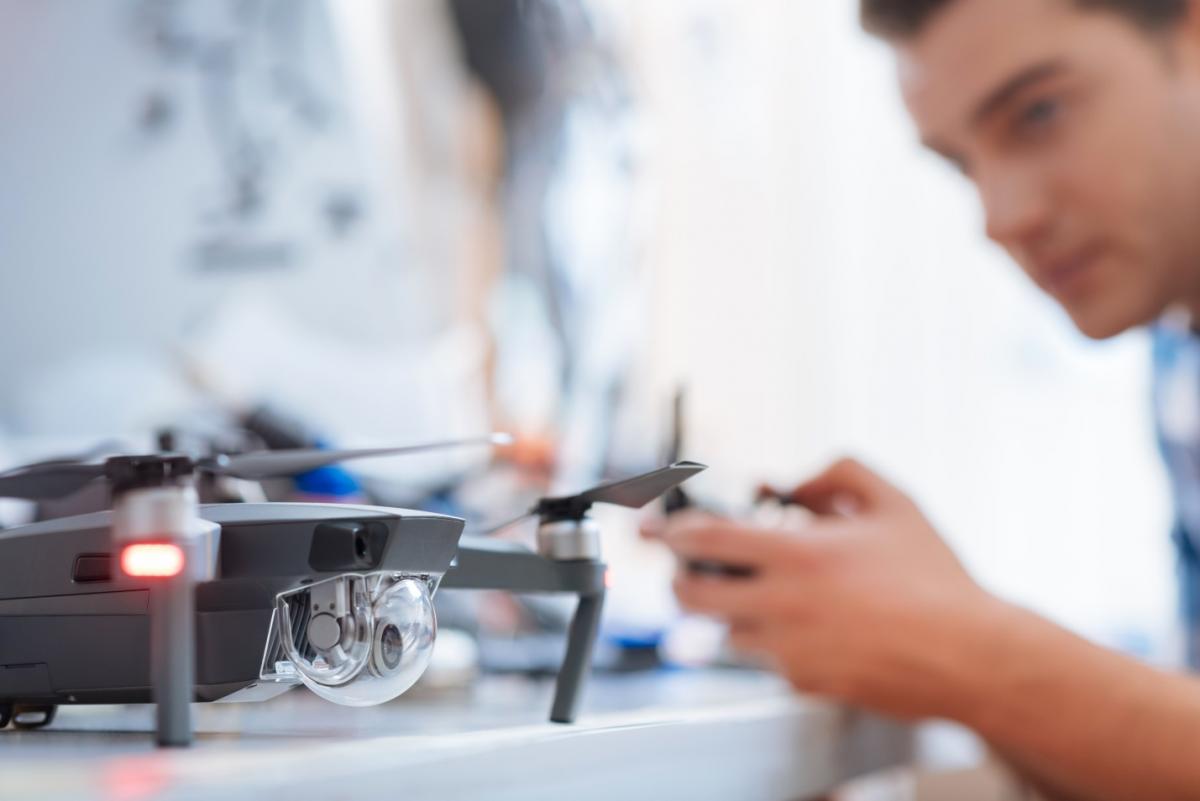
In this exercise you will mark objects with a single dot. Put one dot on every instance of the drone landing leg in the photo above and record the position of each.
(584, 628)
(173, 662)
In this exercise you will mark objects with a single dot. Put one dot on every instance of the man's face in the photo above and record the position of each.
(1081, 132)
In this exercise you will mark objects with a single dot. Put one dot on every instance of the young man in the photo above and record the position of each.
(1079, 123)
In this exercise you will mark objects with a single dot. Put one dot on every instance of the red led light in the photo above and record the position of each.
(152, 560)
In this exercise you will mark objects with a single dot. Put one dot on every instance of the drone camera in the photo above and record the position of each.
(348, 546)
(358, 639)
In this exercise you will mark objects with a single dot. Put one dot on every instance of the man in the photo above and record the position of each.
(1079, 123)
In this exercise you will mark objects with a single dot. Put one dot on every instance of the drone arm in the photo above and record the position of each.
(485, 564)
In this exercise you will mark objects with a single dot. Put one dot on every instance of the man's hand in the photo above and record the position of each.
(867, 604)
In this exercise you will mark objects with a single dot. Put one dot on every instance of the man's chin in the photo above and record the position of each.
(1101, 324)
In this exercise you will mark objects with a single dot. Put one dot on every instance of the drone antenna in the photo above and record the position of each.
(676, 499)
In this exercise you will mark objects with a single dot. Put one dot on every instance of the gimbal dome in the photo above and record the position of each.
(359, 640)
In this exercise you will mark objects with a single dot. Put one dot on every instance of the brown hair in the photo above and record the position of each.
(904, 18)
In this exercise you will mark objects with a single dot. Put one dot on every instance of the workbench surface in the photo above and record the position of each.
(696, 735)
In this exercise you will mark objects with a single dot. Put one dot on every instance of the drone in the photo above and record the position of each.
(166, 600)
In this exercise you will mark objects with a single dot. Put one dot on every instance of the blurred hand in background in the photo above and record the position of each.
(866, 603)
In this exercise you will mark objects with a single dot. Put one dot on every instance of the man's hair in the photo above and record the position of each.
(905, 18)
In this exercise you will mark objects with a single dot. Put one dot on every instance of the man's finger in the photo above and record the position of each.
(846, 487)
(727, 599)
(749, 637)
(734, 545)
(789, 649)
(655, 528)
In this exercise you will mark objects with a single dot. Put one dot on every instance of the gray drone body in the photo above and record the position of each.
(75, 629)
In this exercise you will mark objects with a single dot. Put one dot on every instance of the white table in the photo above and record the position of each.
(686, 735)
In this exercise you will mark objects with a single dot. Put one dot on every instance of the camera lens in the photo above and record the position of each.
(405, 628)
(391, 646)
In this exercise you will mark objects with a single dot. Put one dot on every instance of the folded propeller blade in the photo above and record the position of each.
(277, 464)
(638, 491)
(633, 493)
(48, 481)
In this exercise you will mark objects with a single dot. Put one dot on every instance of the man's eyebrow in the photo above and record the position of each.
(1013, 87)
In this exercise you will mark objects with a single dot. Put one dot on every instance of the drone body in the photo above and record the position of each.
(74, 628)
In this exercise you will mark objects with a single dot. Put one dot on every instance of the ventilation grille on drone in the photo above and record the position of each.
(300, 611)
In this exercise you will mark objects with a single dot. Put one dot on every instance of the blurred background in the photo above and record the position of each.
(605, 226)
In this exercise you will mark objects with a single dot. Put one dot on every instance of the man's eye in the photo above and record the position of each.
(1039, 114)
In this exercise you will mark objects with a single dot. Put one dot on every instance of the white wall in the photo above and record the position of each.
(104, 223)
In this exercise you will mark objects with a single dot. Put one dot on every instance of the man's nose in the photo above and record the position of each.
(1016, 207)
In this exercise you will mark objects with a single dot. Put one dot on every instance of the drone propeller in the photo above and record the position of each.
(56, 480)
(277, 464)
(632, 493)
(46, 481)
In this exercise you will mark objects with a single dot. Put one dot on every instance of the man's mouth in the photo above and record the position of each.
(1067, 277)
